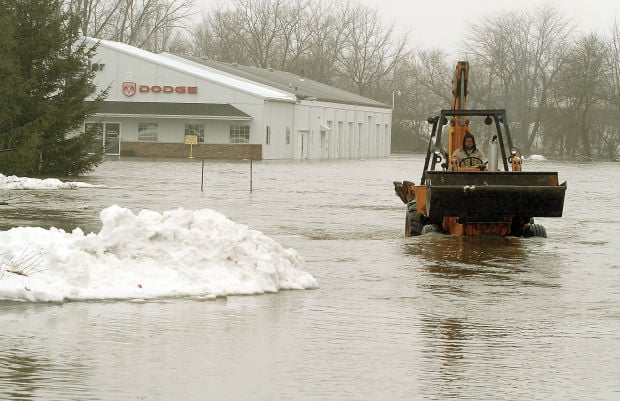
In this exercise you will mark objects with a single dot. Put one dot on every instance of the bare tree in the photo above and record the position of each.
(264, 33)
(580, 93)
(552, 35)
(432, 73)
(216, 39)
(342, 44)
(614, 66)
(95, 15)
(148, 24)
(610, 134)
(519, 53)
(295, 34)
(325, 32)
(423, 83)
(369, 53)
(255, 26)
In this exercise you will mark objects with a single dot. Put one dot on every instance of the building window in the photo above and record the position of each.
(147, 132)
(239, 134)
(268, 135)
(196, 129)
(288, 135)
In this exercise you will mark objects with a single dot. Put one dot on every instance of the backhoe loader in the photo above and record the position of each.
(477, 197)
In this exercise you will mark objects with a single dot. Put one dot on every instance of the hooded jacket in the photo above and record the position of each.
(462, 152)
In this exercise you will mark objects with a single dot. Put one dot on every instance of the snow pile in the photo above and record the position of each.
(178, 253)
(536, 157)
(14, 182)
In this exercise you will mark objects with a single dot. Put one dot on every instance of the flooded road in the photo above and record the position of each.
(394, 318)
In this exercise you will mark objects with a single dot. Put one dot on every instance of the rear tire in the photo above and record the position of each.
(413, 223)
(430, 228)
(535, 230)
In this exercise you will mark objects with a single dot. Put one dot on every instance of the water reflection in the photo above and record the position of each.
(450, 335)
(475, 293)
(466, 255)
(20, 374)
(63, 209)
(42, 355)
(445, 355)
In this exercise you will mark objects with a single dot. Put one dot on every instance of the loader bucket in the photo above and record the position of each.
(493, 196)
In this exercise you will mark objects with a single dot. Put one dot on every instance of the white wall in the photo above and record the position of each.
(356, 131)
(169, 130)
(120, 67)
(279, 117)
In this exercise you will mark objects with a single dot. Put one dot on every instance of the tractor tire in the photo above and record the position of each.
(430, 228)
(536, 230)
(413, 223)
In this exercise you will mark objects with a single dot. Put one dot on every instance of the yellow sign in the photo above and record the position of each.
(191, 139)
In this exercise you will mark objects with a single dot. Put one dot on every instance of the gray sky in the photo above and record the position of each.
(441, 23)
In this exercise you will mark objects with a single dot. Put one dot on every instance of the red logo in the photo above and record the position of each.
(167, 89)
(129, 88)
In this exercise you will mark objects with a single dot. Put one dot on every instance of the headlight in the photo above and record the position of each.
(437, 153)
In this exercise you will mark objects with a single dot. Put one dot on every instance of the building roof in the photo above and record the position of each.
(204, 111)
(303, 88)
(211, 75)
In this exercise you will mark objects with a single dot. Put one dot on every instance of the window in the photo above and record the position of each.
(268, 135)
(239, 134)
(288, 135)
(147, 132)
(196, 129)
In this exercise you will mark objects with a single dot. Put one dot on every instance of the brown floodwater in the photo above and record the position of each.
(424, 318)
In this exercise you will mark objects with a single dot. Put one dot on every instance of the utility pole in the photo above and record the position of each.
(395, 92)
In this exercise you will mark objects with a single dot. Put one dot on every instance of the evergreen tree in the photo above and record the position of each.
(44, 82)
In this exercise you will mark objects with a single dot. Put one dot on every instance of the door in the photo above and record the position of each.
(302, 147)
(112, 139)
(324, 145)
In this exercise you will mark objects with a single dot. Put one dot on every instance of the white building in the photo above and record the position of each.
(157, 102)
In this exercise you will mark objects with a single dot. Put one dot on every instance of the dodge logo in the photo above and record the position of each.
(129, 88)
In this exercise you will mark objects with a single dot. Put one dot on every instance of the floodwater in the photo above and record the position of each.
(424, 318)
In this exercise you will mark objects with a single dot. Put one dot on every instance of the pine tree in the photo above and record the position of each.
(44, 82)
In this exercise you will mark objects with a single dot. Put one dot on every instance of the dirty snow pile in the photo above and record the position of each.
(177, 253)
(14, 182)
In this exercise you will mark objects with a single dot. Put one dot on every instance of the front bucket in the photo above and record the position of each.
(493, 196)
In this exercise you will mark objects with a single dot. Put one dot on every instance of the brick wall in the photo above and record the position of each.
(207, 151)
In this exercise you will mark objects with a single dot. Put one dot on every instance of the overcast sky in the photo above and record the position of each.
(441, 23)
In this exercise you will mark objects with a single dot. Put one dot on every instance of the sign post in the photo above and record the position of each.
(191, 140)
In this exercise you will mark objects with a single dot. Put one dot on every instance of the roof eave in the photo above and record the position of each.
(172, 116)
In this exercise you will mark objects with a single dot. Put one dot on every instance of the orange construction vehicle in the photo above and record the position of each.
(471, 196)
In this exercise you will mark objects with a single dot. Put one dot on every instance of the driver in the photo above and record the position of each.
(469, 151)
